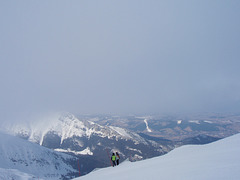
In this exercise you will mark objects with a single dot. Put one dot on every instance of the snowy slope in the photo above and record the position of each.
(65, 133)
(65, 125)
(15, 174)
(20, 158)
(219, 160)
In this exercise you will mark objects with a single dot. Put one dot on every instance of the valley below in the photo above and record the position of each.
(90, 139)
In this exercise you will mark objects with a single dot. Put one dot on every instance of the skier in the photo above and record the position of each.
(113, 158)
(117, 158)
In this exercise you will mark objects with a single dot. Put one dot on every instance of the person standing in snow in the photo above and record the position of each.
(117, 158)
(113, 158)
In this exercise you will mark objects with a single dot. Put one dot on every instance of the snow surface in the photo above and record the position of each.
(195, 121)
(86, 151)
(121, 131)
(147, 127)
(15, 174)
(179, 121)
(216, 161)
(20, 159)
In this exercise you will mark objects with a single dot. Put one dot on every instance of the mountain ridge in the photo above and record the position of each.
(87, 140)
(218, 160)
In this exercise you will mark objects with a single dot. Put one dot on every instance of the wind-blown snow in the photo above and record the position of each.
(219, 160)
(65, 125)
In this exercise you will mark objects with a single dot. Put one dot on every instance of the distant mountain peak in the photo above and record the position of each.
(65, 125)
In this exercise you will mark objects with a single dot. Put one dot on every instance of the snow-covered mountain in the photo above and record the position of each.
(219, 160)
(65, 126)
(20, 158)
(65, 133)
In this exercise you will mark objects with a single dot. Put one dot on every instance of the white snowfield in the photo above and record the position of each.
(23, 160)
(14, 174)
(216, 161)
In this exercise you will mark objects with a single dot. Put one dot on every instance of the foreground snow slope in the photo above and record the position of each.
(219, 160)
(14, 174)
(20, 158)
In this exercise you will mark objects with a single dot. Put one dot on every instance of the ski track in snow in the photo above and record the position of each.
(147, 127)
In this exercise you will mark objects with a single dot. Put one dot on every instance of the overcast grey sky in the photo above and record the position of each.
(119, 56)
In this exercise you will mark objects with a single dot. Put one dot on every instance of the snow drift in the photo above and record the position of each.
(219, 160)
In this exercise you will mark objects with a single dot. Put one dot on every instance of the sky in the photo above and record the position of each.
(119, 56)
